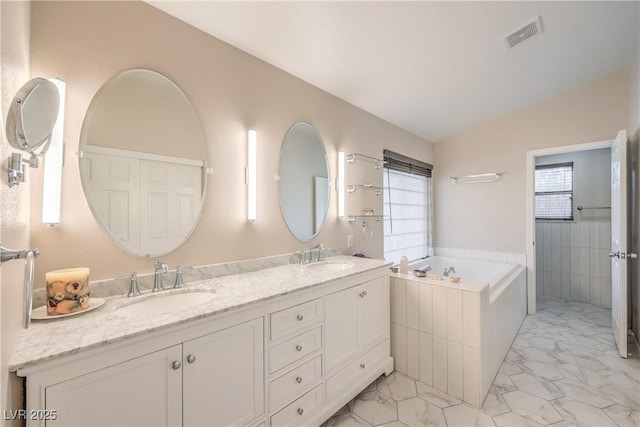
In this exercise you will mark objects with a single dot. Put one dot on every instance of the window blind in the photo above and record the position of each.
(554, 191)
(407, 208)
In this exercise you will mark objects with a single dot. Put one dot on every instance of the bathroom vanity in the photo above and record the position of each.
(288, 345)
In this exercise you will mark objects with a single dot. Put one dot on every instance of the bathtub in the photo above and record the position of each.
(454, 336)
(473, 274)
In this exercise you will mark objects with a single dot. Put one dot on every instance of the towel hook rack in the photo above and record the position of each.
(477, 178)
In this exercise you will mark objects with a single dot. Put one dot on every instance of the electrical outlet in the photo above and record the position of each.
(350, 241)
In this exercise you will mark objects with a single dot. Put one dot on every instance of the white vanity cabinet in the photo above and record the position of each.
(294, 359)
(216, 379)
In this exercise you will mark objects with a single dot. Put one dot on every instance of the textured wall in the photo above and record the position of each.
(14, 202)
(86, 43)
(492, 216)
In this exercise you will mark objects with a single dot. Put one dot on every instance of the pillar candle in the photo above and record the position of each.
(67, 290)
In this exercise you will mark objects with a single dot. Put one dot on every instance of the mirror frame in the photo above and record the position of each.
(15, 130)
(326, 161)
(206, 168)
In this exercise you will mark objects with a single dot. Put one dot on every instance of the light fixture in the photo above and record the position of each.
(53, 160)
(252, 140)
(340, 184)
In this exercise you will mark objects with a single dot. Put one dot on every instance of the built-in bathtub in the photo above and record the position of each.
(454, 336)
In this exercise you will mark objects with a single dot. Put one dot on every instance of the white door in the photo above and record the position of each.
(145, 391)
(618, 252)
(373, 312)
(224, 376)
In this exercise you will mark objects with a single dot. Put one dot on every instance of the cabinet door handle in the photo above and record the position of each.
(176, 365)
(300, 411)
(298, 380)
(298, 347)
(191, 358)
(363, 294)
(362, 366)
(300, 317)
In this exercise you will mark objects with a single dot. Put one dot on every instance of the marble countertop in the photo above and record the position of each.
(46, 340)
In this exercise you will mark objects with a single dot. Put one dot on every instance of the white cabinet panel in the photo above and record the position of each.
(224, 384)
(373, 312)
(341, 330)
(125, 394)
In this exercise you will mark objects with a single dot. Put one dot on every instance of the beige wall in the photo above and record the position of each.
(634, 151)
(492, 216)
(14, 202)
(86, 43)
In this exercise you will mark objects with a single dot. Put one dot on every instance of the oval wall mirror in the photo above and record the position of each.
(143, 162)
(303, 184)
(32, 115)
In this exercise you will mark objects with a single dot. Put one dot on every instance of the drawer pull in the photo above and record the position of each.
(298, 380)
(362, 365)
(191, 358)
(176, 365)
(298, 347)
(300, 411)
(300, 317)
(363, 294)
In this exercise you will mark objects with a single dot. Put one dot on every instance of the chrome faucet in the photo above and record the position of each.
(134, 289)
(320, 248)
(159, 269)
(179, 278)
(448, 270)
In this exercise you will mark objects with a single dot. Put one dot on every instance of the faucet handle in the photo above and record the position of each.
(160, 266)
(179, 278)
(134, 290)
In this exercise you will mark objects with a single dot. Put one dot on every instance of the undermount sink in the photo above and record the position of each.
(164, 303)
(330, 266)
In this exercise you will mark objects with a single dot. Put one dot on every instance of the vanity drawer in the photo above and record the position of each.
(301, 410)
(350, 373)
(294, 319)
(290, 383)
(295, 348)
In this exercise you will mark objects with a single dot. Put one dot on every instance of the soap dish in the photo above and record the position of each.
(394, 269)
(419, 273)
(454, 279)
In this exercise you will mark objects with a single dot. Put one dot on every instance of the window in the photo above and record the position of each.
(407, 208)
(554, 191)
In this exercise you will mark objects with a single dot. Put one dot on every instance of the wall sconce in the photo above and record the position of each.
(53, 160)
(250, 174)
(340, 184)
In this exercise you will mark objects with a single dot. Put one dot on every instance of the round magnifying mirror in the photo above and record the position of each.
(303, 185)
(143, 162)
(32, 115)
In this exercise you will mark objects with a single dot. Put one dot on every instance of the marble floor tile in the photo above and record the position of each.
(503, 383)
(547, 371)
(584, 393)
(435, 396)
(394, 424)
(512, 419)
(510, 368)
(536, 386)
(417, 412)
(347, 419)
(464, 416)
(623, 416)
(580, 413)
(495, 404)
(397, 386)
(532, 407)
(375, 408)
(623, 396)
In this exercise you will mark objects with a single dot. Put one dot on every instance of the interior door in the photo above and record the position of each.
(618, 252)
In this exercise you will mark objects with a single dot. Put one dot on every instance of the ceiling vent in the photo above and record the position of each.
(531, 29)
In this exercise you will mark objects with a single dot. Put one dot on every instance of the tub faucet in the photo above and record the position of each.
(159, 269)
(448, 270)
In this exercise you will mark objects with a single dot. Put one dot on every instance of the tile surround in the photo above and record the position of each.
(561, 371)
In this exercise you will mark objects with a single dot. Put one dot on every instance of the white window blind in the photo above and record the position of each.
(554, 191)
(407, 213)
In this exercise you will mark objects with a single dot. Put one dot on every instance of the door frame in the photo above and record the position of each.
(531, 218)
